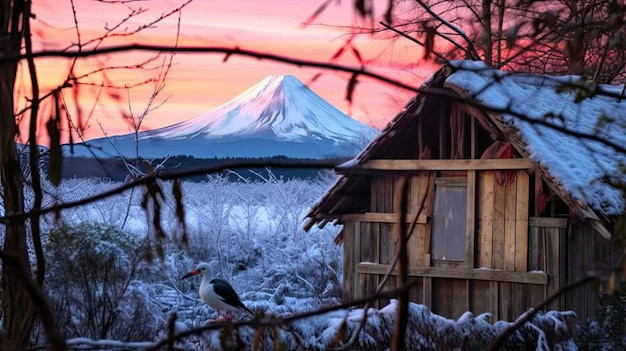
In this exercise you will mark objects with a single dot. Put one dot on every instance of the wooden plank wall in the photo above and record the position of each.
(501, 242)
(587, 251)
(547, 253)
(350, 252)
(502, 239)
(377, 244)
(376, 241)
(422, 188)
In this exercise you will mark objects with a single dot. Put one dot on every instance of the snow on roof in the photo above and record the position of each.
(580, 164)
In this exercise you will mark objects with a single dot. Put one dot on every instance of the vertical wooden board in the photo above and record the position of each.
(534, 249)
(575, 270)
(551, 237)
(415, 247)
(499, 198)
(510, 211)
(470, 225)
(416, 293)
(416, 185)
(442, 297)
(387, 200)
(384, 244)
(520, 300)
(537, 295)
(468, 295)
(485, 210)
(365, 243)
(416, 242)
(376, 188)
(473, 136)
(590, 241)
(386, 251)
(562, 263)
(521, 221)
(479, 297)
(394, 228)
(427, 292)
(390, 284)
(504, 303)
(360, 291)
(458, 298)
(380, 237)
(368, 284)
(429, 204)
(422, 185)
(349, 279)
(357, 241)
(494, 300)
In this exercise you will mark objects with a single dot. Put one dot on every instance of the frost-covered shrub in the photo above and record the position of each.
(607, 331)
(251, 230)
(425, 331)
(90, 282)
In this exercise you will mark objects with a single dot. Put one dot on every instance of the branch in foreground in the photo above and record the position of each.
(278, 321)
(498, 342)
(227, 51)
(360, 71)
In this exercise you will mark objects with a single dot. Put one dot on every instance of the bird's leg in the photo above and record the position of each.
(229, 316)
(217, 317)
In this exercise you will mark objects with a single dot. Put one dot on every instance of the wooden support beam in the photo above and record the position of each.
(377, 217)
(470, 225)
(547, 222)
(445, 165)
(538, 278)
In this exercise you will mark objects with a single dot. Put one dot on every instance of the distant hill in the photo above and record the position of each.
(277, 116)
(114, 169)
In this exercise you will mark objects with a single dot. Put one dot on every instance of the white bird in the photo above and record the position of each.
(217, 293)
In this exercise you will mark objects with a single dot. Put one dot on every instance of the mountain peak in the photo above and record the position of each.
(279, 109)
(273, 86)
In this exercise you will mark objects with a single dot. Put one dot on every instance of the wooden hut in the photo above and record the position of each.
(509, 192)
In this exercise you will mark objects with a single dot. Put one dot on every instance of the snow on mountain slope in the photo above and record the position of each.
(277, 116)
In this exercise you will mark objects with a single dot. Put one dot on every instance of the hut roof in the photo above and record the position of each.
(573, 130)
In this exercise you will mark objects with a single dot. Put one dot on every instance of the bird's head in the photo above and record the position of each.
(202, 268)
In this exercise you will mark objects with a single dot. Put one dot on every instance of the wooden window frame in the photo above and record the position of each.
(447, 182)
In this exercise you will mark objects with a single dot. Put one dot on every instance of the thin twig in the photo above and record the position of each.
(415, 40)
(498, 342)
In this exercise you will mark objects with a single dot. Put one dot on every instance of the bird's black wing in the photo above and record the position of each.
(228, 294)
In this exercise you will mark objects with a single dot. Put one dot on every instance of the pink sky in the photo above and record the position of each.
(199, 83)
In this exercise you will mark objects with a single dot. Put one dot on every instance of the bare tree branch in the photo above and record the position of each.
(499, 341)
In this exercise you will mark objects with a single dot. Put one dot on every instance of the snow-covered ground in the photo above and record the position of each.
(252, 234)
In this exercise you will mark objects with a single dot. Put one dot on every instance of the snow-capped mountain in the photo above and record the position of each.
(277, 116)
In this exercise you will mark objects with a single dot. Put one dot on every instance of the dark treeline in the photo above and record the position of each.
(114, 168)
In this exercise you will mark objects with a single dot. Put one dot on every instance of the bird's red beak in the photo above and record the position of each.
(192, 273)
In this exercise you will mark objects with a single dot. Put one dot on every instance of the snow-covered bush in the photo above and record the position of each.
(251, 230)
(425, 331)
(608, 330)
(90, 283)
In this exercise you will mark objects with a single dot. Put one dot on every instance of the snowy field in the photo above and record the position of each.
(251, 232)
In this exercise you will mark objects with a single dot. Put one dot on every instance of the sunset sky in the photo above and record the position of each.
(198, 83)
